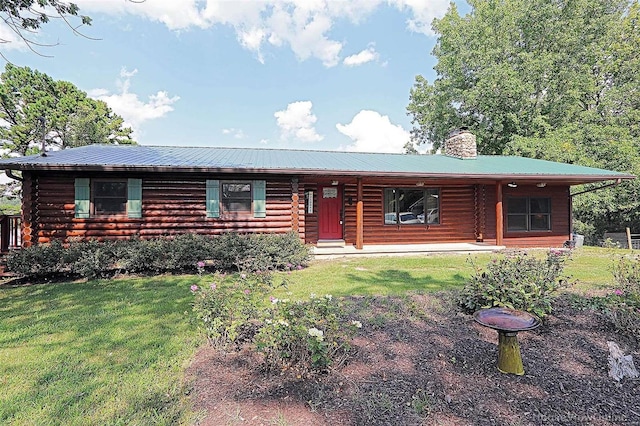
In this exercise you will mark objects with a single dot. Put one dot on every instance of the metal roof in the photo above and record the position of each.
(329, 163)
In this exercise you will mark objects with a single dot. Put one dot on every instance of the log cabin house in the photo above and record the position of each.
(112, 192)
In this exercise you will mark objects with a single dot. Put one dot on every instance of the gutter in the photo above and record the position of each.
(575, 179)
(616, 183)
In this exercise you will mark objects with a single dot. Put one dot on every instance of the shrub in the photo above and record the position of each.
(626, 273)
(625, 318)
(623, 307)
(38, 261)
(226, 307)
(181, 253)
(91, 259)
(305, 335)
(259, 252)
(517, 281)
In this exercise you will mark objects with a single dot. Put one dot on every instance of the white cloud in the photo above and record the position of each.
(304, 26)
(297, 122)
(133, 110)
(176, 15)
(236, 133)
(372, 132)
(423, 13)
(367, 55)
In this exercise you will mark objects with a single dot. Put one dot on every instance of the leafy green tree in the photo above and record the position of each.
(35, 108)
(516, 67)
(556, 80)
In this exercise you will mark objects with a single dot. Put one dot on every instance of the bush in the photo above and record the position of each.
(91, 259)
(227, 252)
(259, 252)
(304, 336)
(624, 317)
(517, 281)
(623, 307)
(626, 273)
(226, 307)
(38, 261)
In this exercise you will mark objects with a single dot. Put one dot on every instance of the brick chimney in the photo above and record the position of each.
(461, 144)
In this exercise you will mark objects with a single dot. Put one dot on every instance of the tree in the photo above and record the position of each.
(557, 80)
(25, 17)
(35, 108)
(515, 67)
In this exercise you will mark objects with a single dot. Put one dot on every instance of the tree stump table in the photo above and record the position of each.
(508, 322)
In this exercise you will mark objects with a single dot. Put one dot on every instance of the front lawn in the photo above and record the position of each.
(98, 352)
(115, 351)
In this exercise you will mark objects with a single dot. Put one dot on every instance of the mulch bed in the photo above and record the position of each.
(420, 361)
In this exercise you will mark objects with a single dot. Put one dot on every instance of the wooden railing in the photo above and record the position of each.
(10, 233)
(624, 239)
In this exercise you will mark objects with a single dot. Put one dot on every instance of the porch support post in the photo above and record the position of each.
(295, 206)
(499, 214)
(27, 210)
(359, 217)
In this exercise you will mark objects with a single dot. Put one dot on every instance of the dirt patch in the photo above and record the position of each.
(419, 361)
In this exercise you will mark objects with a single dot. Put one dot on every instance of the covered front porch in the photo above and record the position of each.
(337, 248)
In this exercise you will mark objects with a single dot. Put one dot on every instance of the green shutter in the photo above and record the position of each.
(259, 198)
(134, 198)
(82, 198)
(213, 198)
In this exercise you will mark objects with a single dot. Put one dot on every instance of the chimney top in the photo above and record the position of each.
(461, 144)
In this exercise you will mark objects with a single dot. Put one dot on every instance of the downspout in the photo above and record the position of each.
(10, 174)
(617, 182)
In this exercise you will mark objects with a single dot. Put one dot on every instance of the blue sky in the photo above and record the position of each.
(301, 74)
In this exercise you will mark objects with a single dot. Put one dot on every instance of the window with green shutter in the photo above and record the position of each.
(108, 197)
(236, 198)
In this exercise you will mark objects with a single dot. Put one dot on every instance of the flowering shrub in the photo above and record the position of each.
(626, 272)
(516, 281)
(305, 335)
(227, 307)
(623, 307)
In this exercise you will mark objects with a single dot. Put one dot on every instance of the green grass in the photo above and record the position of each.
(382, 275)
(101, 352)
(114, 351)
(589, 267)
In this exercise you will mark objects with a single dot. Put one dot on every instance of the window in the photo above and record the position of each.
(410, 206)
(233, 197)
(528, 214)
(108, 197)
(236, 197)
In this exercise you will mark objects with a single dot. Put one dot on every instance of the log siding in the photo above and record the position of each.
(175, 203)
(170, 205)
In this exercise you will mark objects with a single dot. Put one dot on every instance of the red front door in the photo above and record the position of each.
(330, 212)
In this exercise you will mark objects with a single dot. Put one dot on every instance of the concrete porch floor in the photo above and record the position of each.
(333, 252)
